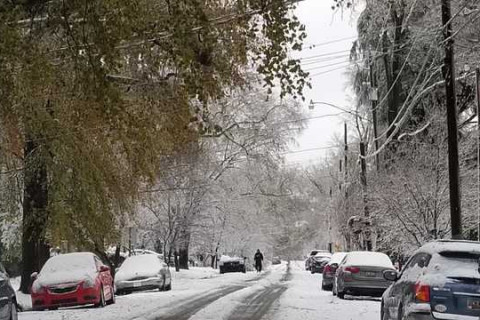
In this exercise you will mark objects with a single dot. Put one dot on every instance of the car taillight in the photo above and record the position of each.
(327, 269)
(352, 269)
(422, 292)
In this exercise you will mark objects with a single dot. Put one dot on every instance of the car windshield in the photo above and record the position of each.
(69, 262)
(457, 264)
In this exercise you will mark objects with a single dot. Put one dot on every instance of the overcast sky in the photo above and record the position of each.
(330, 36)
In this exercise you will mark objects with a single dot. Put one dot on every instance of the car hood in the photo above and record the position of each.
(56, 278)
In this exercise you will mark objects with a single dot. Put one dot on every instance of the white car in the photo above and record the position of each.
(143, 272)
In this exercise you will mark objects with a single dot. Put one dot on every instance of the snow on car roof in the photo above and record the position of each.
(337, 257)
(368, 258)
(451, 245)
(229, 258)
(70, 262)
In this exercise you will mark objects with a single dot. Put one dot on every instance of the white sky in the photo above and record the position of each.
(331, 32)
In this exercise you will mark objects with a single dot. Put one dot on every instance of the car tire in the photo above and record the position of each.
(13, 311)
(325, 287)
(102, 302)
(383, 313)
(341, 295)
(112, 299)
(169, 287)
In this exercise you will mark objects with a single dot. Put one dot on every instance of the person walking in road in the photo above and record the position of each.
(258, 260)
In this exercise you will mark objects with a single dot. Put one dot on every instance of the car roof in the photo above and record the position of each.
(450, 245)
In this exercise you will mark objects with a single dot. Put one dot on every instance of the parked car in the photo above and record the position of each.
(330, 269)
(361, 273)
(319, 261)
(309, 261)
(231, 264)
(70, 280)
(143, 272)
(440, 281)
(8, 301)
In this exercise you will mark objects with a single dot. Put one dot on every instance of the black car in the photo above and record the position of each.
(318, 263)
(8, 302)
(440, 281)
(232, 264)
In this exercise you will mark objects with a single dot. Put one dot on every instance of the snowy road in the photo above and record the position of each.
(282, 293)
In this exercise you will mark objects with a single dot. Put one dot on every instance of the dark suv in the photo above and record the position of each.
(440, 281)
(8, 304)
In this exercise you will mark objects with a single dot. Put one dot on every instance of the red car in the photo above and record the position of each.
(70, 280)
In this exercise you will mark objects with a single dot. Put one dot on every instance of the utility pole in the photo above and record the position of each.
(345, 179)
(363, 180)
(373, 95)
(477, 81)
(453, 163)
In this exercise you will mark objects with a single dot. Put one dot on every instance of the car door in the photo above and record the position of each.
(105, 277)
(402, 292)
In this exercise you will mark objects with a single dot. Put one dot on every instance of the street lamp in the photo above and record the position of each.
(312, 104)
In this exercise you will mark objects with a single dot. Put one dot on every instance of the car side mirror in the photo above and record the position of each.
(390, 275)
(34, 276)
(104, 269)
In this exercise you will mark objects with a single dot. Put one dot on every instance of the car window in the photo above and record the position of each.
(416, 264)
(98, 263)
(457, 264)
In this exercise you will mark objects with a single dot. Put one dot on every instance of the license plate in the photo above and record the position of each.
(137, 284)
(473, 304)
(370, 274)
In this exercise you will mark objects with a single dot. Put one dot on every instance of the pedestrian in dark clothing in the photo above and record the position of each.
(258, 260)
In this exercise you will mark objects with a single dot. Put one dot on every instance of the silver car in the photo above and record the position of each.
(143, 272)
(361, 273)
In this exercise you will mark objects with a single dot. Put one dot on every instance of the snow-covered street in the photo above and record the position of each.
(281, 292)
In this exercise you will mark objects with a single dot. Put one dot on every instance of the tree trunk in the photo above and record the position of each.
(35, 250)
(184, 245)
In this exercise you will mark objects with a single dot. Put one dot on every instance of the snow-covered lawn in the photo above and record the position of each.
(297, 296)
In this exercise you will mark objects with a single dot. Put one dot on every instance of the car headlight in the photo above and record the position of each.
(88, 283)
(37, 288)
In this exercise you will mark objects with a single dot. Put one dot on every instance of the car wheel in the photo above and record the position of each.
(13, 312)
(341, 295)
(102, 302)
(163, 286)
(383, 313)
(112, 299)
(169, 287)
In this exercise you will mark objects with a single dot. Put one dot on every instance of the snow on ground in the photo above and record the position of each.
(306, 300)
(301, 299)
(185, 285)
(224, 307)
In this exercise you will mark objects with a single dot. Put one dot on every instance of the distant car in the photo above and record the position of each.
(143, 272)
(276, 260)
(361, 273)
(309, 261)
(72, 279)
(231, 264)
(440, 281)
(319, 261)
(330, 269)
(8, 301)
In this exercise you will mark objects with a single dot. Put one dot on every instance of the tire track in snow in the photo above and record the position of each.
(258, 304)
(185, 310)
